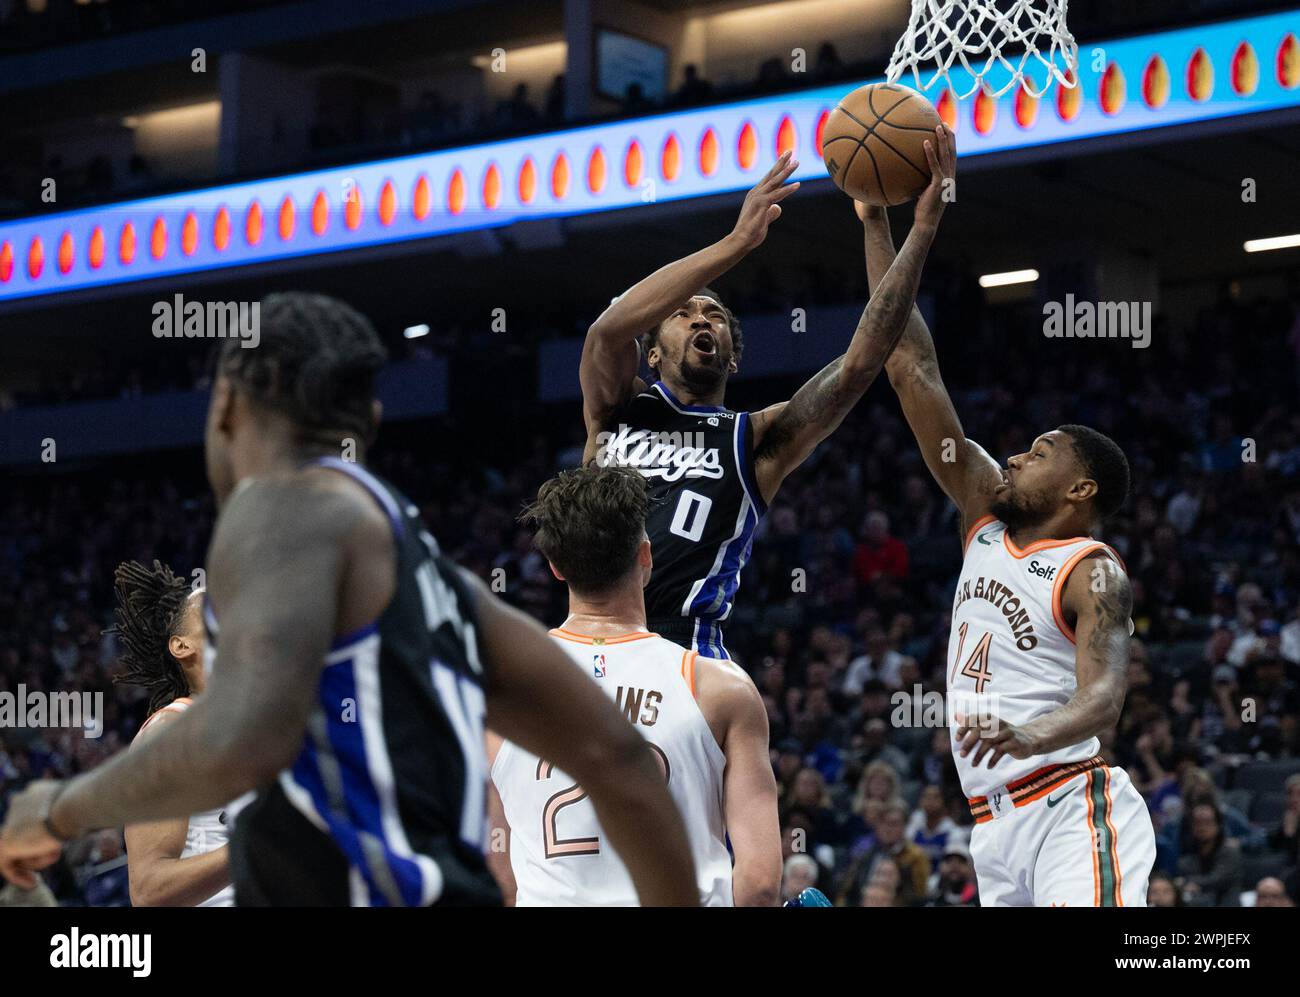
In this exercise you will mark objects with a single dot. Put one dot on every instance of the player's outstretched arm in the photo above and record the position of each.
(159, 877)
(537, 699)
(963, 469)
(1098, 595)
(730, 699)
(786, 433)
(611, 355)
(274, 573)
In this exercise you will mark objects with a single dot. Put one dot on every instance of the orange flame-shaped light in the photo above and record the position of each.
(387, 203)
(985, 112)
(1288, 62)
(67, 252)
(456, 192)
(786, 136)
(126, 243)
(288, 219)
(747, 146)
(221, 229)
(596, 170)
(1245, 70)
(633, 164)
(35, 257)
(352, 206)
(189, 234)
(709, 152)
(1200, 76)
(1069, 100)
(421, 199)
(1155, 83)
(527, 180)
(1112, 91)
(320, 213)
(670, 160)
(95, 254)
(253, 223)
(158, 238)
(6, 262)
(560, 177)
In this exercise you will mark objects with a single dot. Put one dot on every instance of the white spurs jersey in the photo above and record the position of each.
(1010, 651)
(208, 830)
(557, 850)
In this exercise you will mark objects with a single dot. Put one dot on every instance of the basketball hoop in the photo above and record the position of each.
(964, 31)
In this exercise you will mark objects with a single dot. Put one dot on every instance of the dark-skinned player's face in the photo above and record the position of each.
(1039, 481)
(694, 345)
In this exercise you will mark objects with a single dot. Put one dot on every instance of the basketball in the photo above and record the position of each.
(873, 143)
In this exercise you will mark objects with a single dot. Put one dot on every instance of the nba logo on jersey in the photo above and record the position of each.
(598, 665)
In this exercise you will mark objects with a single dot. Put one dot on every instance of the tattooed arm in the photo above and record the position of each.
(963, 469)
(611, 353)
(786, 433)
(1099, 599)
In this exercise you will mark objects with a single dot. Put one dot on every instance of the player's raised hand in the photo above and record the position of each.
(25, 841)
(941, 152)
(763, 202)
(988, 735)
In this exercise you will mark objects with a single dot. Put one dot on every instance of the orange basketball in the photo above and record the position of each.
(873, 143)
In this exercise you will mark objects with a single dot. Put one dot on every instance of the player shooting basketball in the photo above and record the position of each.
(1038, 653)
(714, 471)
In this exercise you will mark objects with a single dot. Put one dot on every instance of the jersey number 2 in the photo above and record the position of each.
(557, 847)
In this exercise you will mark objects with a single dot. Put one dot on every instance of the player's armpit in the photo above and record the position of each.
(1098, 599)
(537, 699)
(732, 705)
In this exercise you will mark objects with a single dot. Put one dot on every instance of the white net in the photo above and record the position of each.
(975, 33)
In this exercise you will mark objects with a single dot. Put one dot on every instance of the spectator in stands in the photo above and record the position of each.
(955, 884)
(1270, 892)
(1162, 891)
(1210, 864)
(930, 827)
(517, 112)
(879, 554)
(554, 111)
(1286, 836)
(694, 89)
(912, 862)
(809, 795)
(828, 67)
(800, 872)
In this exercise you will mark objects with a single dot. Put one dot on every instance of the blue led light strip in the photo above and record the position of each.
(1153, 81)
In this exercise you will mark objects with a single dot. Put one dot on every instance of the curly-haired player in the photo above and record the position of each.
(159, 629)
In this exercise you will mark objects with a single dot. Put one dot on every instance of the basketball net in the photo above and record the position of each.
(946, 32)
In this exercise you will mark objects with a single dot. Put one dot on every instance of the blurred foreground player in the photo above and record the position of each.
(713, 471)
(702, 717)
(179, 862)
(1038, 654)
(355, 670)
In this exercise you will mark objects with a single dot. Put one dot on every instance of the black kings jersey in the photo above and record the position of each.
(704, 506)
(384, 805)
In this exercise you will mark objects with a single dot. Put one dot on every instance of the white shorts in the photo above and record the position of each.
(1064, 838)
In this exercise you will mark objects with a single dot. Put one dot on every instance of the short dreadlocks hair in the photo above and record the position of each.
(1104, 462)
(733, 323)
(315, 362)
(590, 521)
(150, 610)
